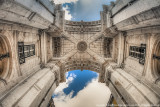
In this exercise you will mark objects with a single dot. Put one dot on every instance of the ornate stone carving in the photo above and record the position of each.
(82, 46)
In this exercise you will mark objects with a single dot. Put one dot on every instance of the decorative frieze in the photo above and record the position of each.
(81, 27)
(82, 64)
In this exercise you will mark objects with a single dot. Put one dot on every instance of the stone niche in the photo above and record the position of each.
(107, 47)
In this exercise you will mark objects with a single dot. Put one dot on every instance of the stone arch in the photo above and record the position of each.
(5, 60)
(80, 65)
(155, 63)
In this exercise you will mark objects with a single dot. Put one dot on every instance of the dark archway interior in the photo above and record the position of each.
(158, 61)
(2, 52)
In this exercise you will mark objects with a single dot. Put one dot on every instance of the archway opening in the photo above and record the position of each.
(81, 89)
(156, 60)
(4, 59)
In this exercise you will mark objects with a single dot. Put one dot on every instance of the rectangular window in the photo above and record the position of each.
(142, 54)
(21, 52)
(138, 52)
(57, 46)
(107, 47)
(25, 51)
(32, 50)
(29, 50)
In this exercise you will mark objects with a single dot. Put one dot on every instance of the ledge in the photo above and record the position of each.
(32, 91)
(131, 89)
(21, 14)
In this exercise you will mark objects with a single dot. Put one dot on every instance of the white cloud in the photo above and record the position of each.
(66, 74)
(69, 80)
(68, 15)
(71, 77)
(59, 89)
(83, 8)
(93, 95)
(64, 1)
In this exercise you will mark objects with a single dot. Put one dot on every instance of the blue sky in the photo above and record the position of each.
(81, 89)
(81, 79)
(86, 10)
(78, 80)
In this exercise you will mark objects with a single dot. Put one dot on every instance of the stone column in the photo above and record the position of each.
(43, 48)
(121, 48)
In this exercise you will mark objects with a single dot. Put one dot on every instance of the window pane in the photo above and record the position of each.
(26, 51)
(138, 52)
(32, 50)
(21, 52)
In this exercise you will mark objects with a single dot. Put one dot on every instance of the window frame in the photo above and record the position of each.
(21, 53)
(29, 50)
(138, 53)
(25, 49)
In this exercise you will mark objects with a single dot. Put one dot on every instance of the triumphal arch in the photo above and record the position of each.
(37, 47)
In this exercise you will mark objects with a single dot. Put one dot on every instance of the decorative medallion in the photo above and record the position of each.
(82, 46)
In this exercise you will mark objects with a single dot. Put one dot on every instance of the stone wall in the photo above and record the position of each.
(32, 83)
(34, 91)
(14, 34)
(148, 36)
(127, 23)
(128, 69)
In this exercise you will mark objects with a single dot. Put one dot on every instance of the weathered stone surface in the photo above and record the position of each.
(106, 49)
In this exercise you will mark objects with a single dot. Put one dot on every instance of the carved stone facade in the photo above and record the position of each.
(37, 47)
